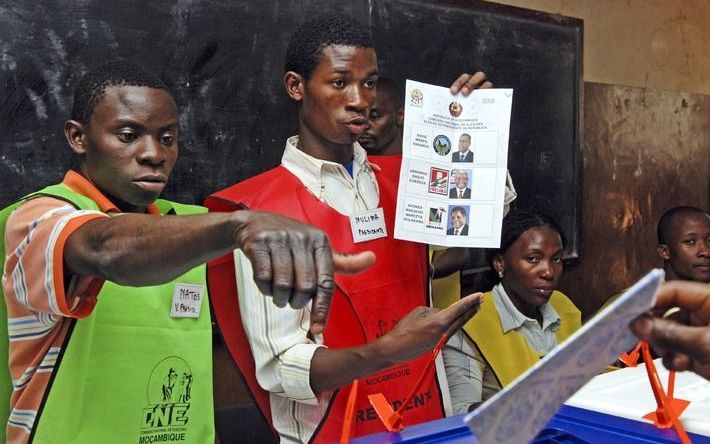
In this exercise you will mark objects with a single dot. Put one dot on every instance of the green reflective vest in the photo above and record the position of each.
(129, 372)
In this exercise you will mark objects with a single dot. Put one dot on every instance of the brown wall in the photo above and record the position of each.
(645, 147)
(659, 44)
(644, 151)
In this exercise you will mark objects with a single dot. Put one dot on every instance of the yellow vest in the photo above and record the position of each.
(509, 354)
(445, 290)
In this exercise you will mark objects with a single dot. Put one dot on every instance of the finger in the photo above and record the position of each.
(305, 273)
(325, 284)
(670, 335)
(679, 362)
(475, 81)
(353, 263)
(283, 280)
(458, 83)
(642, 327)
(260, 259)
(691, 296)
(462, 309)
(463, 319)
(487, 85)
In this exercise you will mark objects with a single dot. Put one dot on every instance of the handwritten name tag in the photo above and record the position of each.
(187, 301)
(368, 225)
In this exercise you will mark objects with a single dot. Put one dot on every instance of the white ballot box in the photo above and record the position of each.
(627, 393)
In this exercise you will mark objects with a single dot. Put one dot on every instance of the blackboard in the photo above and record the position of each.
(224, 61)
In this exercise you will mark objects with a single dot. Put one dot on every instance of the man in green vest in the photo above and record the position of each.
(107, 308)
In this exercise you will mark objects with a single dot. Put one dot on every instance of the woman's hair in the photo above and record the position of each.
(518, 222)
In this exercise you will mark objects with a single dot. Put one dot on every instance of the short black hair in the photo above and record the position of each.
(518, 222)
(307, 42)
(461, 210)
(393, 90)
(92, 85)
(663, 231)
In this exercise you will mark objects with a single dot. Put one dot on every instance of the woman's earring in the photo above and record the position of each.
(500, 274)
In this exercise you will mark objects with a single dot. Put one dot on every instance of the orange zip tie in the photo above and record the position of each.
(429, 366)
(349, 419)
(665, 415)
(391, 419)
(631, 360)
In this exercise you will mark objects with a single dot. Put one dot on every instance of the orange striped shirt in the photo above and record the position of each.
(42, 297)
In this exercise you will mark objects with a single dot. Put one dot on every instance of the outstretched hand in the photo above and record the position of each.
(683, 347)
(293, 262)
(422, 328)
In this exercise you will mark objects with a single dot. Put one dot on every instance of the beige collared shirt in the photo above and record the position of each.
(278, 337)
(331, 183)
(471, 379)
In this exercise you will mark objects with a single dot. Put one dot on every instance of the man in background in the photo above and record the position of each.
(684, 244)
(383, 136)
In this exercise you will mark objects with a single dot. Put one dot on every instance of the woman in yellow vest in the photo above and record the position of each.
(521, 319)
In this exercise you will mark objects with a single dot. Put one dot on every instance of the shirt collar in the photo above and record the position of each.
(310, 170)
(82, 185)
(511, 318)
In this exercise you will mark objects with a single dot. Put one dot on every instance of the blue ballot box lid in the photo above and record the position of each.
(571, 425)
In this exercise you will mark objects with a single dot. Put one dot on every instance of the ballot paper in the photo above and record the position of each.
(518, 412)
(454, 161)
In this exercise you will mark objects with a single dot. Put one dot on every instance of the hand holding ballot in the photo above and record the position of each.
(683, 347)
(468, 82)
(454, 159)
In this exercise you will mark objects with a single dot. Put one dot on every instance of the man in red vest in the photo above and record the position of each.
(378, 328)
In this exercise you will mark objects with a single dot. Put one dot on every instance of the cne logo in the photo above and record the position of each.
(168, 395)
(416, 97)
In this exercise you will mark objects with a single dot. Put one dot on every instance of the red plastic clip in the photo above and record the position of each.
(631, 359)
(393, 419)
(349, 415)
(668, 409)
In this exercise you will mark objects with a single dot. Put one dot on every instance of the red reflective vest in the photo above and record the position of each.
(364, 306)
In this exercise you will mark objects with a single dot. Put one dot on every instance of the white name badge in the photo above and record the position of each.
(187, 301)
(368, 225)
